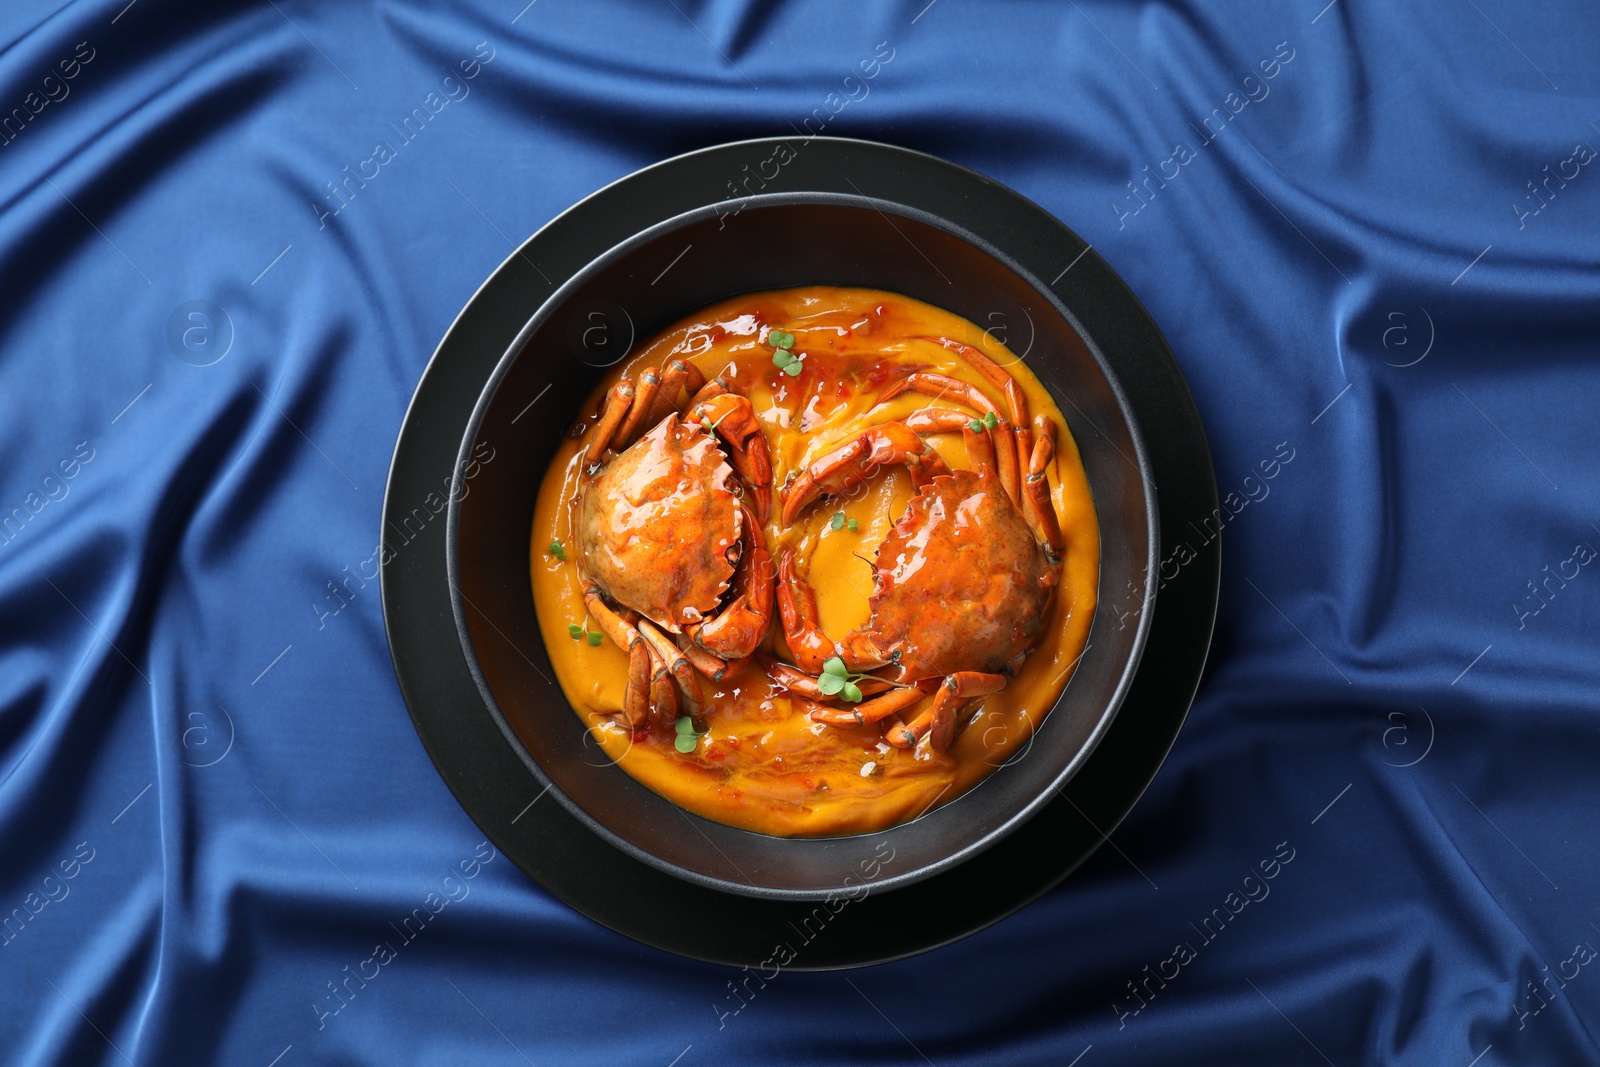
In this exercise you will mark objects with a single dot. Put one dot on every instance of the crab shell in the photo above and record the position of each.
(961, 582)
(658, 523)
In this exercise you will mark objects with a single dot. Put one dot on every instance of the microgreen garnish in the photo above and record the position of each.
(782, 358)
(852, 525)
(788, 362)
(557, 549)
(688, 737)
(580, 633)
(837, 521)
(990, 421)
(836, 679)
(975, 425)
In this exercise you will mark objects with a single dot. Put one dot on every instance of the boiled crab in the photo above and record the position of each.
(670, 535)
(963, 581)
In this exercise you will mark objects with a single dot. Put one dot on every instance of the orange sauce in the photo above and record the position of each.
(764, 765)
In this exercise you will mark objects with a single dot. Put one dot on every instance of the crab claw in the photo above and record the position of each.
(733, 420)
(939, 721)
(797, 604)
(856, 460)
(1041, 510)
(618, 401)
(943, 387)
(735, 631)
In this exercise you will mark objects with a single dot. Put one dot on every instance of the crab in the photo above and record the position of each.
(671, 553)
(961, 583)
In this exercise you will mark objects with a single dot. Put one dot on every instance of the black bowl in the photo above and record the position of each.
(655, 278)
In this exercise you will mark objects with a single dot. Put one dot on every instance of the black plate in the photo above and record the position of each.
(862, 926)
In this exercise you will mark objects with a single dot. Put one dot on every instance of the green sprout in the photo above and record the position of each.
(837, 521)
(836, 679)
(688, 737)
(557, 549)
(580, 633)
(788, 362)
(990, 421)
(852, 526)
(782, 358)
(975, 425)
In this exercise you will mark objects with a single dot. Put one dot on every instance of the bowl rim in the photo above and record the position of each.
(1107, 712)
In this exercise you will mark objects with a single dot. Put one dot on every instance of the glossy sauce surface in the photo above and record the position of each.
(764, 765)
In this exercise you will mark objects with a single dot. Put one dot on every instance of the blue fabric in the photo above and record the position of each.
(1368, 231)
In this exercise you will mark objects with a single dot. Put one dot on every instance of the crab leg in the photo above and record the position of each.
(939, 721)
(693, 378)
(636, 701)
(1019, 420)
(663, 699)
(996, 376)
(703, 661)
(949, 420)
(939, 386)
(937, 420)
(890, 703)
(644, 398)
(1022, 444)
(620, 630)
(797, 681)
(713, 667)
(1010, 467)
(856, 460)
(710, 389)
(735, 632)
(679, 374)
(1041, 510)
(733, 420)
(674, 377)
(675, 661)
(626, 637)
(980, 453)
(797, 605)
(666, 396)
(611, 416)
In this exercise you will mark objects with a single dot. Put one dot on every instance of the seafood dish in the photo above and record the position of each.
(813, 561)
